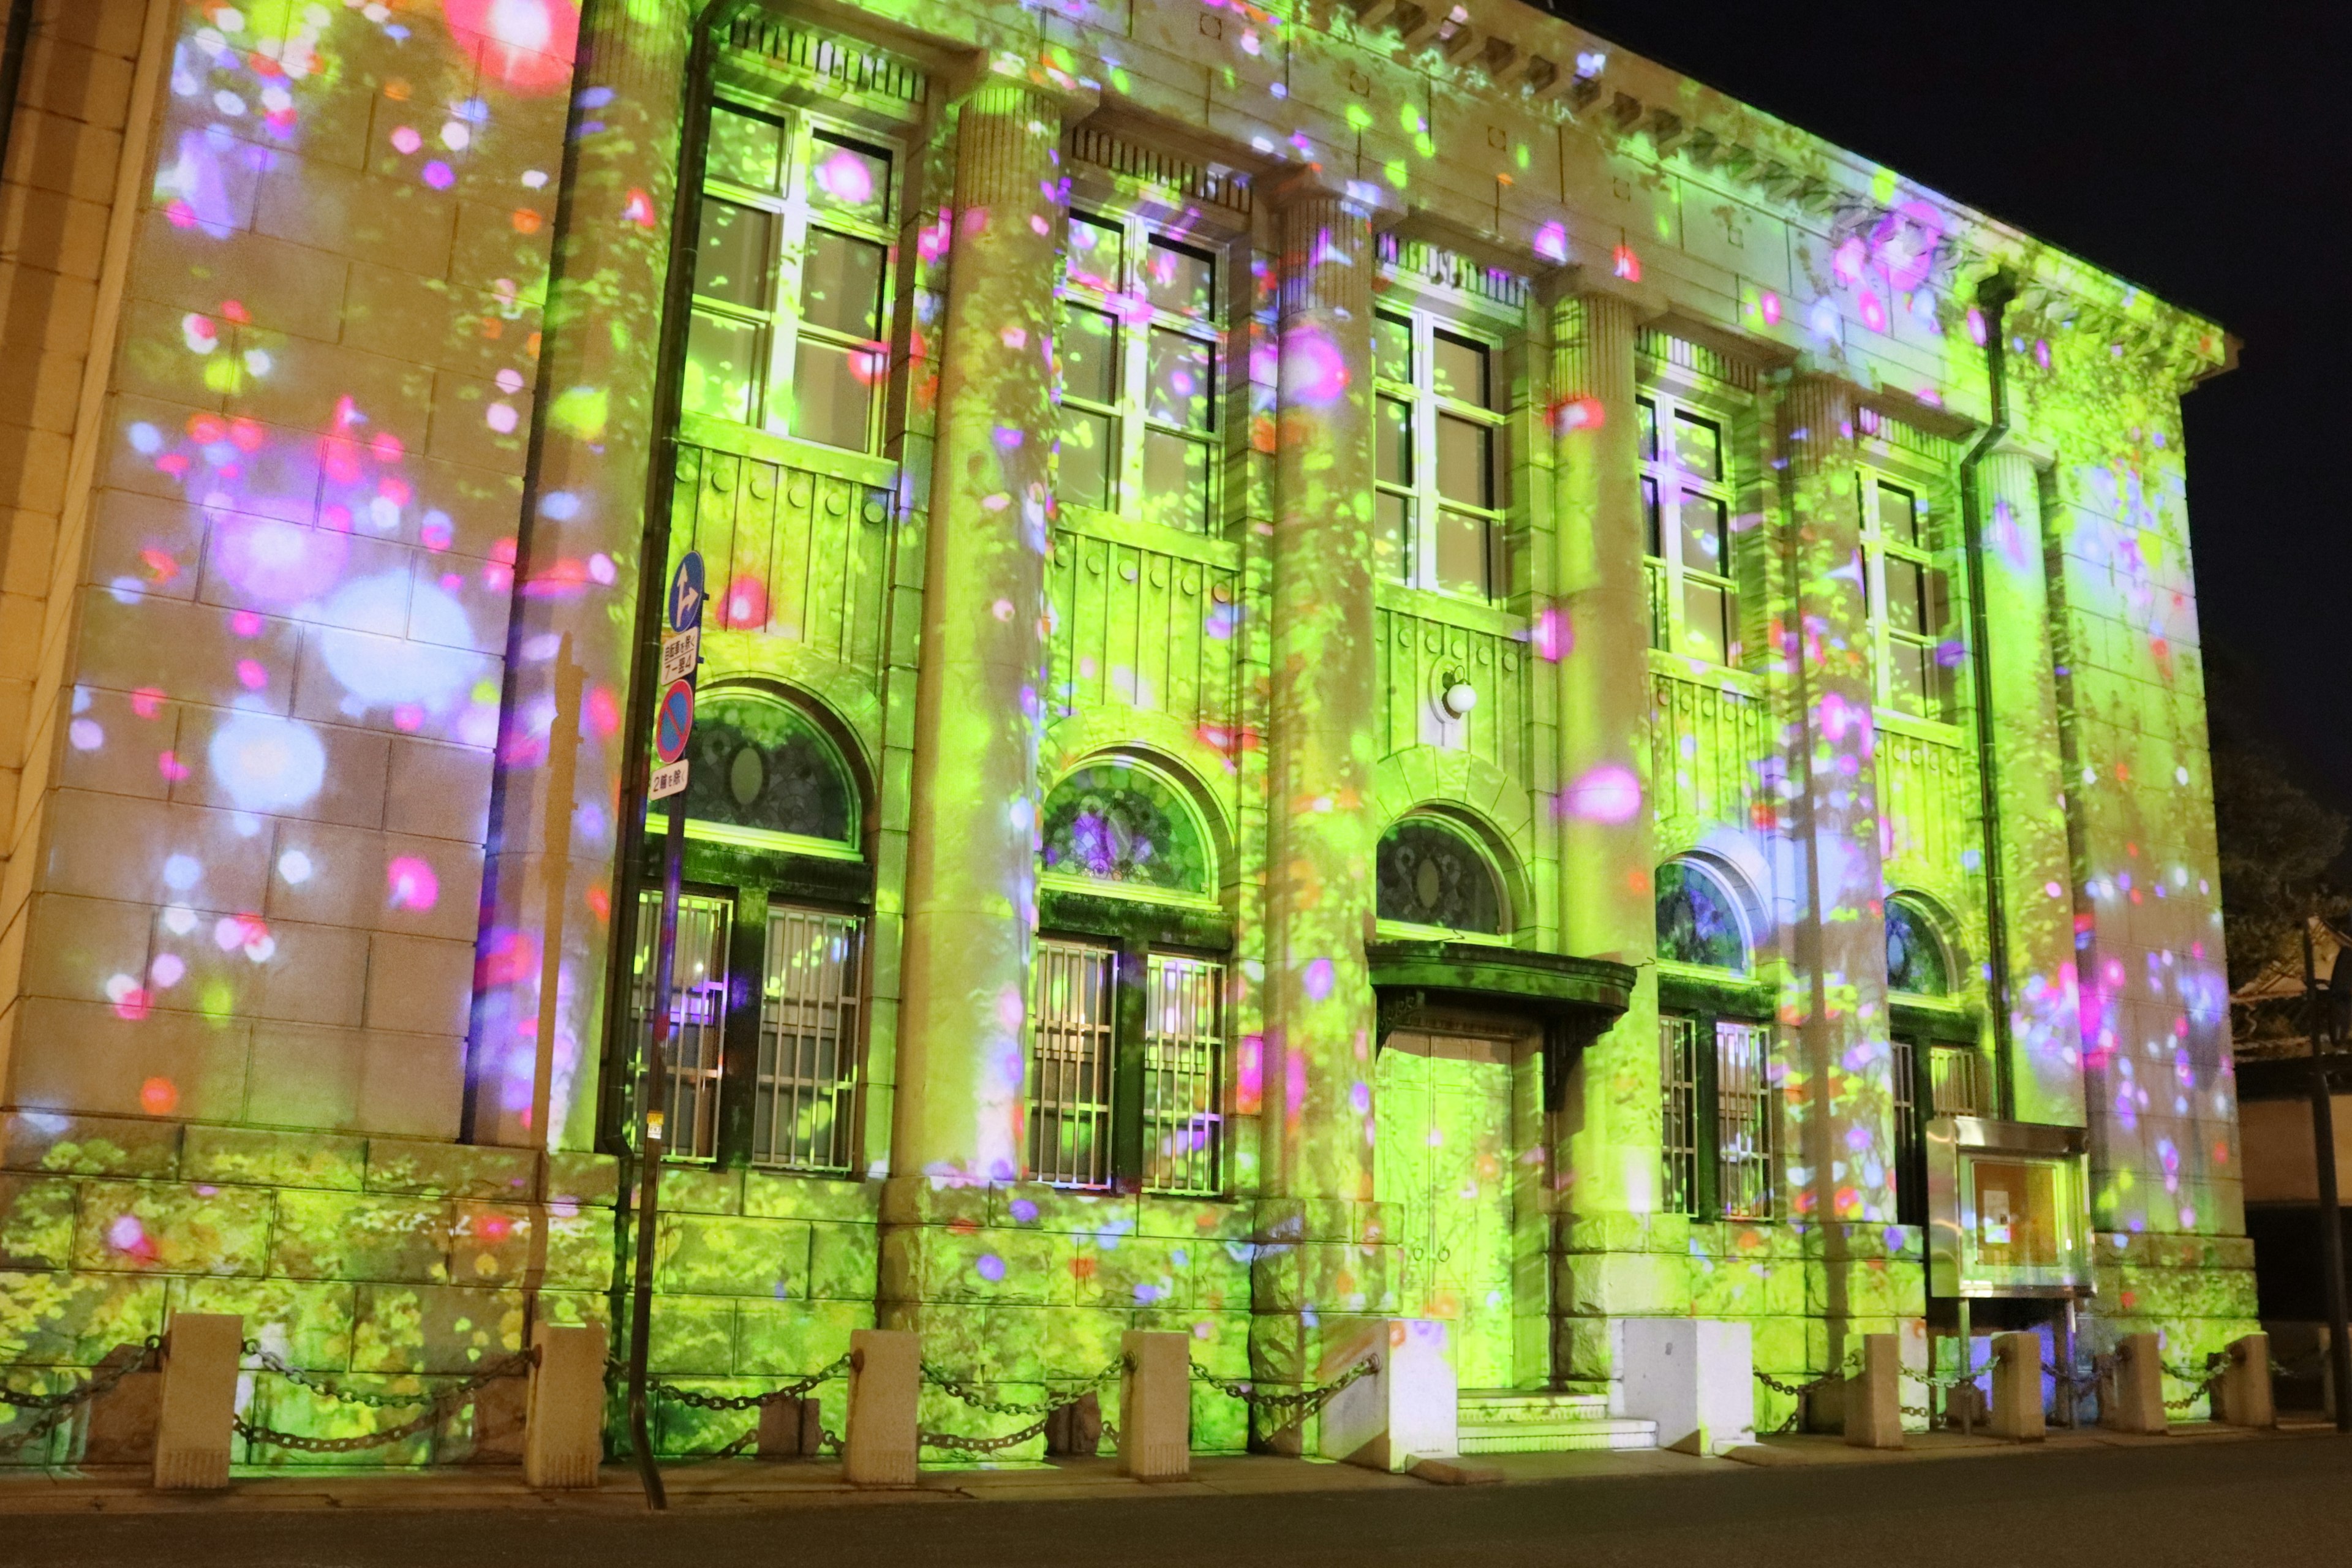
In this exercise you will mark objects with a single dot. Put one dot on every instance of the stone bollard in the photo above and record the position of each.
(2017, 1388)
(1406, 1409)
(2246, 1398)
(1155, 1406)
(886, 1390)
(791, 1429)
(1695, 1377)
(198, 1416)
(2137, 1396)
(1873, 1396)
(563, 1409)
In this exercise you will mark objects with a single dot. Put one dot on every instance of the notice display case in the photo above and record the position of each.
(2008, 1209)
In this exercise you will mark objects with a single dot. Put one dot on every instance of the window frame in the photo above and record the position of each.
(1660, 409)
(1699, 1172)
(1383, 927)
(1135, 318)
(1880, 545)
(1417, 546)
(778, 323)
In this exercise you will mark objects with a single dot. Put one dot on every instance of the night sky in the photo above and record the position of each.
(2203, 151)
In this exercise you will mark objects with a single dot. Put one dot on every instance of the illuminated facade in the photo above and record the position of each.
(1358, 664)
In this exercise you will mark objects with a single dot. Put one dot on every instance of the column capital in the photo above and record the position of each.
(993, 78)
(1558, 286)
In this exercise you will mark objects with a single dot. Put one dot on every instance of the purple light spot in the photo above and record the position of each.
(1024, 1210)
(1318, 979)
(990, 1268)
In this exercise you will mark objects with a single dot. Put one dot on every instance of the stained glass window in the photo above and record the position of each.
(1914, 953)
(1431, 874)
(1698, 919)
(765, 767)
(1120, 823)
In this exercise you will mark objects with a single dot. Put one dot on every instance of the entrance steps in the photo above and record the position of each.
(1545, 1421)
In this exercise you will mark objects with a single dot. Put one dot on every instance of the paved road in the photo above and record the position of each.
(2196, 1505)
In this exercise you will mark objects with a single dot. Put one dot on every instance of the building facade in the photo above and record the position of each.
(1358, 664)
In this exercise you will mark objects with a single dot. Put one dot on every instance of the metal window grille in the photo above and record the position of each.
(1070, 1066)
(1743, 1109)
(1184, 1078)
(698, 1014)
(802, 1116)
(1910, 1186)
(1678, 1072)
(1958, 1081)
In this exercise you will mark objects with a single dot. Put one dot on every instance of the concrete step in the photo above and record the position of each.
(1493, 1406)
(1545, 1421)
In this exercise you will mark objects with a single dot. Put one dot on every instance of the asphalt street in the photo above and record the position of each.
(2197, 1504)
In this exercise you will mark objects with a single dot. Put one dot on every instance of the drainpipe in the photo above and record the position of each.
(12, 68)
(1993, 297)
(661, 472)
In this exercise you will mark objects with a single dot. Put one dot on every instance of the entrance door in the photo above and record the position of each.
(1444, 1157)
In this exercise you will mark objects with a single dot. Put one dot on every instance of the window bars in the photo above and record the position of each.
(1743, 1101)
(698, 1014)
(1910, 1190)
(1185, 1075)
(1070, 1066)
(1957, 1080)
(804, 1090)
(1678, 1072)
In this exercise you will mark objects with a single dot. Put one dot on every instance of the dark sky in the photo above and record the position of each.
(2202, 150)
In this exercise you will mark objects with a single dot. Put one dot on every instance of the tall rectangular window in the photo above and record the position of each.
(1678, 1076)
(1910, 602)
(1438, 444)
(1956, 1084)
(696, 1054)
(1184, 1076)
(1070, 1058)
(1141, 353)
(791, 280)
(1743, 1109)
(805, 1092)
(1687, 513)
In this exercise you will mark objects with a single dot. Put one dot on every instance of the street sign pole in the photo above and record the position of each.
(686, 618)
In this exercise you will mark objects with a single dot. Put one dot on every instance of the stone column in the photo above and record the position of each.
(1841, 1153)
(2034, 863)
(972, 862)
(550, 855)
(1608, 1157)
(1320, 1258)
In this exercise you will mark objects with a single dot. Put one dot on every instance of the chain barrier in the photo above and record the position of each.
(1043, 1410)
(2080, 1381)
(1297, 1405)
(2302, 1366)
(793, 1390)
(2202, 1383)
(438, 1407)
(1797, 1391)
(56, 1408)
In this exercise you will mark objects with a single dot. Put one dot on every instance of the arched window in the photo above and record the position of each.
(773, 844)
(1120, 823)
(1916, 960)
(1133, 947)
(1698, 918)
(760, 773)
(1432, 874)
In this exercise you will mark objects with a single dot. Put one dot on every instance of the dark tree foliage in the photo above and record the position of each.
(2276, 845)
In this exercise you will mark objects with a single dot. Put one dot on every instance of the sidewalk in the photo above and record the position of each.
(739, 1484)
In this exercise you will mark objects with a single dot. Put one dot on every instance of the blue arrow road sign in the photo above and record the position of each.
(686, 594)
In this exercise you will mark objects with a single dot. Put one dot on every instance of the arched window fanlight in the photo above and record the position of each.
(1698, 918)
(761, 773)
(1118, 822)
(1432, 874)
(1916, 960)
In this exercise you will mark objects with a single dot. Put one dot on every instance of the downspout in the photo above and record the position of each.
(653, 560)
(12, 68)
(1993, 297)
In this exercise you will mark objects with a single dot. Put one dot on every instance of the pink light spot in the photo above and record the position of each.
(1610, 794)
(411, 883)
(251, 675)
(406, 140)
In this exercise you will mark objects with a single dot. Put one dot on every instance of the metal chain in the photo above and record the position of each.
(960, 1444)
(439, 1407)
(56, 1408)
(793, 1390)
(956, 1388)
(2079, 1380)
(1799, 1390)
(325, 1390)
(1298, 1403)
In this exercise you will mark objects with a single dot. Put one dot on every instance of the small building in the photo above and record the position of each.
(1354, 664)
